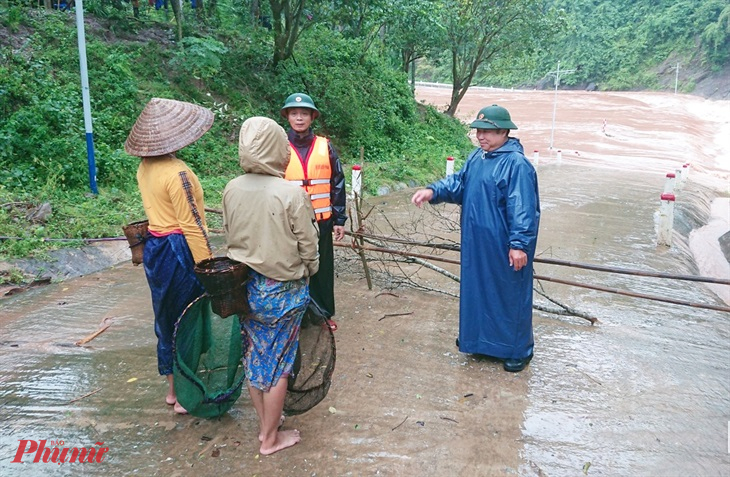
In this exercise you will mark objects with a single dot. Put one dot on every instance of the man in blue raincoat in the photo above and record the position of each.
(500, 216)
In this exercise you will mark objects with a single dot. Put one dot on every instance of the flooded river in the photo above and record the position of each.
(646, 391)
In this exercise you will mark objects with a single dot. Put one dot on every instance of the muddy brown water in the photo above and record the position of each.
(643, 392)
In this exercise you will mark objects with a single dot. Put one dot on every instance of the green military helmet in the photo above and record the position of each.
(299, 100)
(493, 117)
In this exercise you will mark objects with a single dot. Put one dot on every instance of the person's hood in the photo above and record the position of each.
(263, 147)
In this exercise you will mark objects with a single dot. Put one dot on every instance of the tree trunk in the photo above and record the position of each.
(405, 58)
(413, 76)
(177, 10)
(255, 12)
(277, 8)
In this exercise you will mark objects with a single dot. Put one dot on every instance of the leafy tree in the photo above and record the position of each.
(479, 30)
(356, 18)
(716, 36)
(289, 20)
(413, 29)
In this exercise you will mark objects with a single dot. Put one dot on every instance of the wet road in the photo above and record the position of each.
(644, 392)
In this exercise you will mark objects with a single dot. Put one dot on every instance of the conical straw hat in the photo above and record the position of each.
(166, 126)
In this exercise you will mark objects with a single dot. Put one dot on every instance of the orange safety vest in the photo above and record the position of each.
(316, 178)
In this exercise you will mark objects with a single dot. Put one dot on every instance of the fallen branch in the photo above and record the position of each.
(398, 252)
(106, 323)
(84, 396)
(441, 246)
(389, 315)
(387, 293)
(565, 313)
(435, 268)
(566, 310)
(359, 219)
(404, 420)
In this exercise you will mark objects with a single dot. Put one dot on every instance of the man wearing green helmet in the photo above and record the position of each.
(500, 217)
(315, 166)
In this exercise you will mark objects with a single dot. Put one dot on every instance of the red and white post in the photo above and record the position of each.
(449, 166)
(666, 220)
(536, 158)
(357, 180)
(669, 183)
(353, 204)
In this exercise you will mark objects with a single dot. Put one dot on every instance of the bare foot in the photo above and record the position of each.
(283, 440)
(281, 423)
(179, 409)
(170, 399)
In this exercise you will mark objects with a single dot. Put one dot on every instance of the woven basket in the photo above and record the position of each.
(224, 280)
(136, 234)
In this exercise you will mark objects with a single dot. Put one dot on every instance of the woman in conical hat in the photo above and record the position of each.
(173, 201)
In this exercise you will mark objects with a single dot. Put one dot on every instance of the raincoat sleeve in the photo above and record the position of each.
(523, 206)
(190, 213)
(303, 225)
(451, 189)
(337, 182)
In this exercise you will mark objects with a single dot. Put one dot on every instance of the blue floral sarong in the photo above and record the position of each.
(271, 329)
(169, 266)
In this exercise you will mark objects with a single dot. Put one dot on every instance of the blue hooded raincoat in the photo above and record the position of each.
(500, 210)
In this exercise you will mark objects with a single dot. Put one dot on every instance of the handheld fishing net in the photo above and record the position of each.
(315, 362)
(207, 360)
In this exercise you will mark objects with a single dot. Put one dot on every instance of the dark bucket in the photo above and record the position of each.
(224, 280)
(136, 234)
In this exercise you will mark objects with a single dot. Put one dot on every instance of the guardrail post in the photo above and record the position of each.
(666, 220)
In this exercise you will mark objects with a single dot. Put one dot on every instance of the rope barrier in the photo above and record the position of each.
(634, 294)
(550, 279)
(457, 247)
(555, 261)
(88, 240)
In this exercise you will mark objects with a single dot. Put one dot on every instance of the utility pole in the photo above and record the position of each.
(676, 78)
(81, 35)
(556, 73)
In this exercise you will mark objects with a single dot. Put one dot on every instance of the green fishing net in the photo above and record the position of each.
(207, 360)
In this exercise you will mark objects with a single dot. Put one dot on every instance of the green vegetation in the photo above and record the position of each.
(242, 59)
(366, 103)
(618, 44)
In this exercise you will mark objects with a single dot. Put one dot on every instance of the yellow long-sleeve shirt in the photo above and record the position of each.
(173, 200)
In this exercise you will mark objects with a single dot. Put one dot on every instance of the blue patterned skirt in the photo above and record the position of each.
(271, 330)
(169, 266)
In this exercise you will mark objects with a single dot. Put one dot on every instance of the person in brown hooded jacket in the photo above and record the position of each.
(270, 226)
